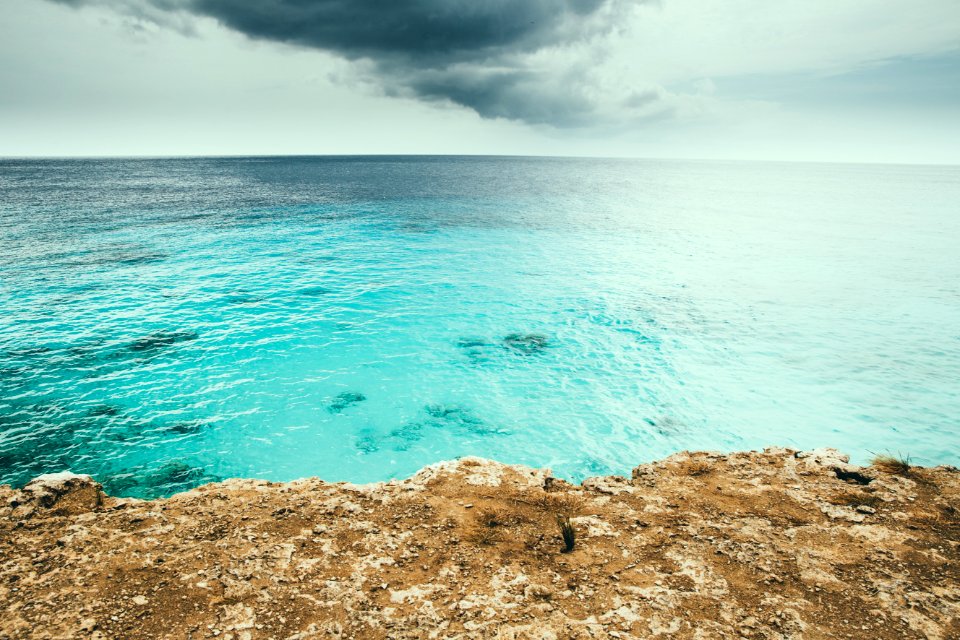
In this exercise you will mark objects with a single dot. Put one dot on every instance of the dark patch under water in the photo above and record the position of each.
(27, 352)
(316, 291)
(344, 400)
(367, 442)
(450, 412)
(132, 259)
(186, 427)
(13, 374)
(242, 299)
(103, 410)
(57, 434)
(667, 425)
(526, 343)
(160, 339)
(473, 343)
(148, 483)
(481, 350)
(404, 436)
(443, 417)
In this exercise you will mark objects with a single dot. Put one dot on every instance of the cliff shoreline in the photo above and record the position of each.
(772, 544)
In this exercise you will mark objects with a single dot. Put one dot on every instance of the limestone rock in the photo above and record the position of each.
(65, 493)
(776, 544)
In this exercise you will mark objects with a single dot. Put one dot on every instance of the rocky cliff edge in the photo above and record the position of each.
(778, 544)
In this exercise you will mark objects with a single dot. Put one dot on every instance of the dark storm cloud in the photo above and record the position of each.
(470, 52)
(425, 30)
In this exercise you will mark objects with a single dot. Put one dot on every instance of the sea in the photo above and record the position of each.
(170, 322)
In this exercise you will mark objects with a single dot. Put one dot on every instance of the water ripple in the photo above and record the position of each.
(171, 322)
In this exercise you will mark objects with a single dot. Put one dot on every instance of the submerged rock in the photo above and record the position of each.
(410, 431)
(439, 417)
(49, 409)
(27, 352)
(243, 298)
(169, 477)
(473, 343)
(126, 254)
(480, 350)
(444, 411)
(160, 339)
(176, 473)
(667, 425)
(344, 400)
(50, 439)
(315, 291)
(133, 259)
(183, 427)
(367, 444)
(13, 373)
(102, 410)
(452, 413)
(447, 415)
(186, 427)
(526, 343)
(403, 437)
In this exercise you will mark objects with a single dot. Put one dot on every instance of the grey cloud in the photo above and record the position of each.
(640, 99)
(472, 53)
(515, 94)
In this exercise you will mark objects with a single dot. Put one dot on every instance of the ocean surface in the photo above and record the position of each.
(164, 323)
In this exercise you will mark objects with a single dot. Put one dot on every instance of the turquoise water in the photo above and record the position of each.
(169, 322)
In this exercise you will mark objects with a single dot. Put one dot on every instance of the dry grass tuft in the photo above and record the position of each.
(554, 503)
(490, 524)
(695, 468)
(485, 536)
(855, 499)
(515, 519)
(495, 517)
(888, 463)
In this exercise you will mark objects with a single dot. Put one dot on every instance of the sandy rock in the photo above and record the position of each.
(610, 485)
(64, 492)
(779, 545)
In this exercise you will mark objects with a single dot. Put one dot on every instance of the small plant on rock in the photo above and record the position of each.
(489, 524)
(898, 464)
(567, 532)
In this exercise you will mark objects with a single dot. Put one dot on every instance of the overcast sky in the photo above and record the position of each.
(846, 80)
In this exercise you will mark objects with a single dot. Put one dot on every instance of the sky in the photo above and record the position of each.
(820, 80)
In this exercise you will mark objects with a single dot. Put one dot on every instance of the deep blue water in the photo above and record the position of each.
(168, 322)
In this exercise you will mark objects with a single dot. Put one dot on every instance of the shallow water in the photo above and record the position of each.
(169, 322)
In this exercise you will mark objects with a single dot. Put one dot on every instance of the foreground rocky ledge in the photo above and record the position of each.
(778, 544)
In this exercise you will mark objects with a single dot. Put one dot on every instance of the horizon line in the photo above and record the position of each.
(266, 156)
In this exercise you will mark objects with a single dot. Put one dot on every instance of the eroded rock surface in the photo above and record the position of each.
(776, 544)
(61, 493)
